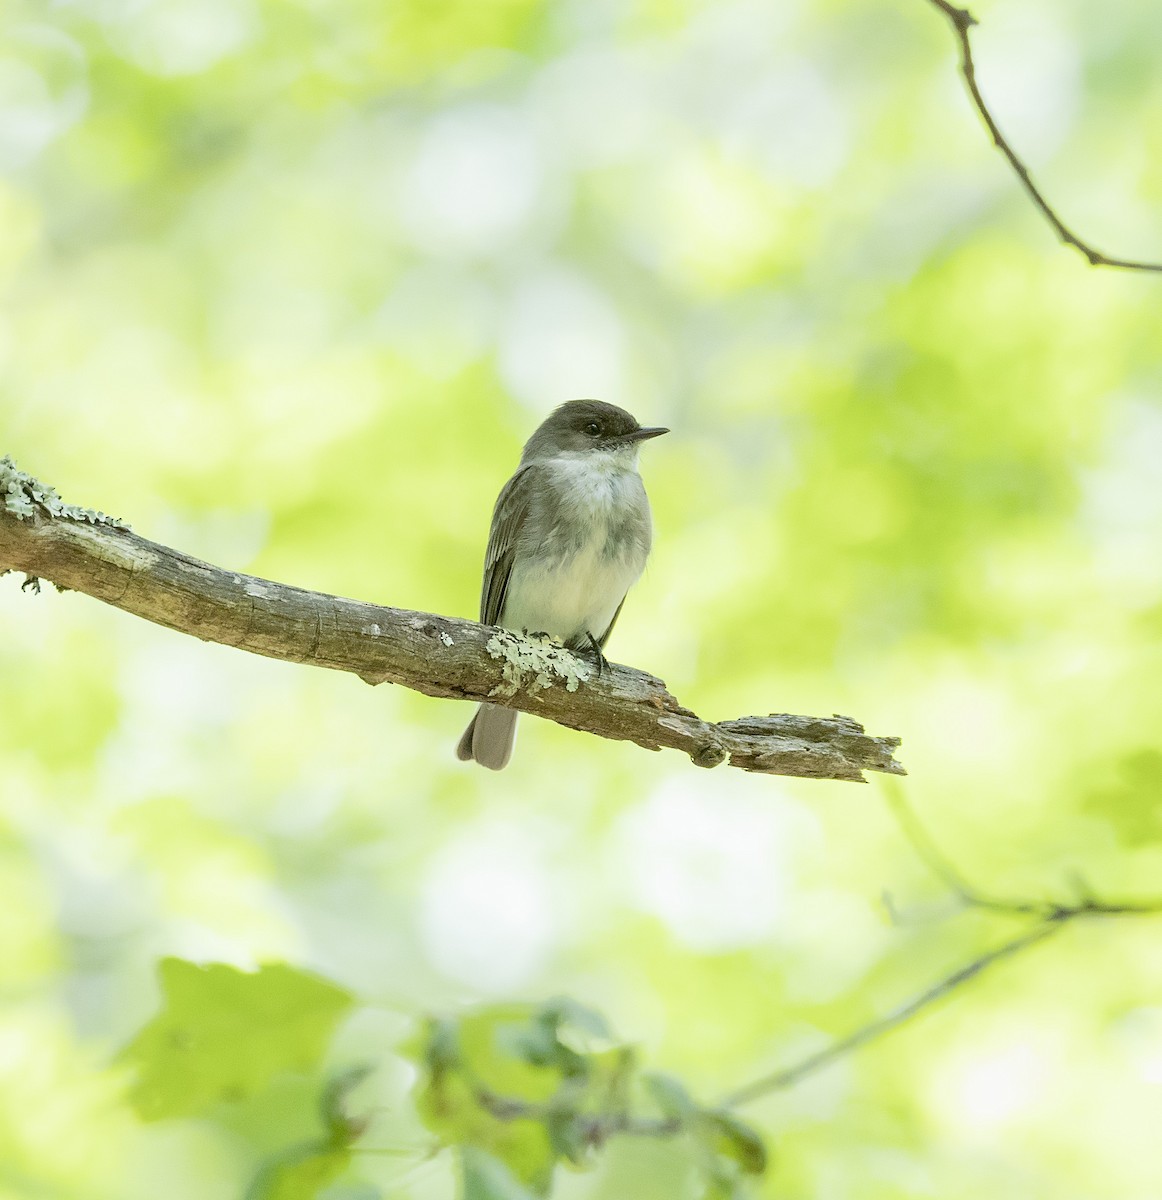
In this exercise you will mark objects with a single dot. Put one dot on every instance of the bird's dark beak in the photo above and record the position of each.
(641, 435)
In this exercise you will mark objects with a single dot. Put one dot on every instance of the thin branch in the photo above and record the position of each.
(438, 656)
(962, 21)
(971, 896)
(942, 867)
(1051, 916)
(596, 1128)
(787, 1077)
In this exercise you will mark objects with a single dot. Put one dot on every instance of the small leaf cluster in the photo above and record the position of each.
(522, 1089)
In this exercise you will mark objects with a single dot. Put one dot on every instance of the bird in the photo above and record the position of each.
(571, 532)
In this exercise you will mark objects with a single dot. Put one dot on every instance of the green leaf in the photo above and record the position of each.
(223, 1034)
(570, 1018)
(443, 1044)
(451, 1108)
(724, 1184)
(504, 1080)
(509, 1050)
(490, 1052)
(299, 1173)
(487, 1178)
(669, 1094)
(309, 1163)
(340, 1124)
(567, 1135)
(736, 1140)
(533, 1042)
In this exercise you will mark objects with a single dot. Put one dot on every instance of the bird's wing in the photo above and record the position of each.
(512, 506)
(612, 622)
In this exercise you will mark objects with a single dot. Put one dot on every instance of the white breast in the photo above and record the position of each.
(574, 585)
(599, 486)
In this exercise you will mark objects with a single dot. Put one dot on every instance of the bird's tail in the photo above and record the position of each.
(489, 737)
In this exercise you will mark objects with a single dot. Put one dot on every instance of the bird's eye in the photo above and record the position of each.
(593, 429)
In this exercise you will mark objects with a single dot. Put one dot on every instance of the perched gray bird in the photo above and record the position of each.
(570, 535)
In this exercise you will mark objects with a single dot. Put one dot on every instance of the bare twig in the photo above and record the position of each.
(935, 860)
(786, 1077)
(971, 896)
(1051, 916)
(436, 655)
(596, 1128)
(962, 21)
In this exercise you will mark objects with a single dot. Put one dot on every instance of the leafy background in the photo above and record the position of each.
(287, 284)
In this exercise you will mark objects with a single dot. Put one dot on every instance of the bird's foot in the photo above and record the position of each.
(599, 659)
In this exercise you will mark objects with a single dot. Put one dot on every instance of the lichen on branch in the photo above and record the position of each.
(23, 494)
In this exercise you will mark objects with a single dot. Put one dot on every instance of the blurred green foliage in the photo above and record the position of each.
(286, 285)
(222, 1035)
(521, 1088)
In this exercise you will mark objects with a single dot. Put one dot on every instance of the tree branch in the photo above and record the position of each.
(1051, 916)
(971, 896)
(438, 656)
(787, 1077)
(962, 21)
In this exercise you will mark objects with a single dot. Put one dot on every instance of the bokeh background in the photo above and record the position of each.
(286, 284)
